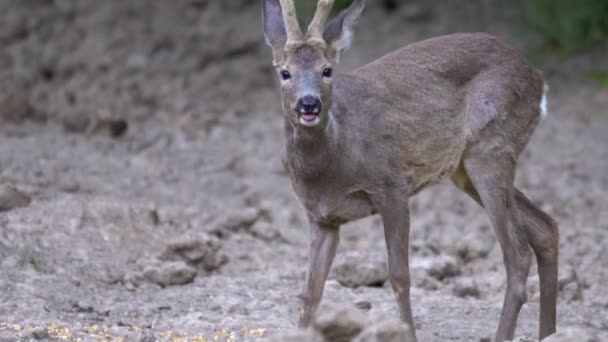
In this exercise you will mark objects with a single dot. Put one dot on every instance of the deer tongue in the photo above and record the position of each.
(309, 116)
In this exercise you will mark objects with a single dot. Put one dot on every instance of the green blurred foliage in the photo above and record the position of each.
(599, 76)
(568, 26)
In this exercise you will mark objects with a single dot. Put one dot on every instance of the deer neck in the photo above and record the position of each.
(309, 149)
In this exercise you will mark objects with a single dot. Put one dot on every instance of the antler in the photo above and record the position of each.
(292, 26)
(317, 25)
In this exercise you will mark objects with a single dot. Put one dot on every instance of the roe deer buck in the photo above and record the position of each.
(462, 105)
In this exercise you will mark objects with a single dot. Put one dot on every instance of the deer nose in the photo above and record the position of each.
(309, 104)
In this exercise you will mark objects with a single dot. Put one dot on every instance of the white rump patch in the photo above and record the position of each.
(543, 102)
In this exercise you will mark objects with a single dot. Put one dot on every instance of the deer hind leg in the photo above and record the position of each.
(542, 233)
(490, 175)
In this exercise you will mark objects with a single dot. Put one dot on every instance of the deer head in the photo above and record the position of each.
(304, 62)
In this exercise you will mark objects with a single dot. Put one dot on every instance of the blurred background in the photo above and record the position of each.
(142, 195)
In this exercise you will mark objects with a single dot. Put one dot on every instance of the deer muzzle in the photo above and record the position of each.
(308, 109)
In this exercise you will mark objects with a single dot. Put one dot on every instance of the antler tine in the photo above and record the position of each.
(317, 25)
(292, 26)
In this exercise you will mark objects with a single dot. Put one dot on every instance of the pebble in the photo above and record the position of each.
(392, 330)
(357, 272)
(198, 250)
(465, 287)
(15, 104)
(339, 324)
(237, 221)
(11, 198)
(170, 273)
(573, 335)
(443, 266)
(297, 335)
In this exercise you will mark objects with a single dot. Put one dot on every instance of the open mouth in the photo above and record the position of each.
(309, 119)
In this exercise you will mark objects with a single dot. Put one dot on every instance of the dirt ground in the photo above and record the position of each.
(142, 195)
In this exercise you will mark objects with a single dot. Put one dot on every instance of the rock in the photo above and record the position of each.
(465, 287)
(567, 275)
(475, 246)
(265, 231)
(82, 306)
(392, 330)
(176, 273)
(237, 221)
(147, 337)
(571, 292)
(355, 273)
(570, 288)
(15, 104)
(443, 266)
(596, 295)
(573, 335)
(201, 251)
(119, 333)
(76, 122)
(339, 324)
(524, 339)
(424, 281)
(107, 123)
(11, 198)
(297, 335)
(40, 333)
(9, 336)
(363, 305)
(170, 273)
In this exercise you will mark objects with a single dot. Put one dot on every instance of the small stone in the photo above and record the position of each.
(567, 275)
(466, 287)
(475, 246)
(264, 231)
(363, 305)
(443, 266)
(355, 273)
(11, 198)
(571, 292)
(69, 186)
(40, 333)
(297, 335)
(152, 273)
(15, 104)
(108, 126)
(240, 220)
(339, 324)
(391, 330)
(147, 337)
(524, 339)
(197, 250)
(175, 273)
(118, 333)
(573, 335)
(82, 306)
(9, 336)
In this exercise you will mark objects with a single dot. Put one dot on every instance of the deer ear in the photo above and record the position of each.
(339, 32)
(274, 27)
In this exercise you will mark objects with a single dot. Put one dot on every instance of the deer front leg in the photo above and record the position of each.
(323, 243)
(396, 218)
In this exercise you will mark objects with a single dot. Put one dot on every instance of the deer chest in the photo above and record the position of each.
(334, 205)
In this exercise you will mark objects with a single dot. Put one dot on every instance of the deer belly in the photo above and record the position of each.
(355, 206)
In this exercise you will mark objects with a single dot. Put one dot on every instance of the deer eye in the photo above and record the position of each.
(285, 75)
(327, 72)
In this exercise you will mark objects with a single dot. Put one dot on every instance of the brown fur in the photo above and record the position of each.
(461, 106)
